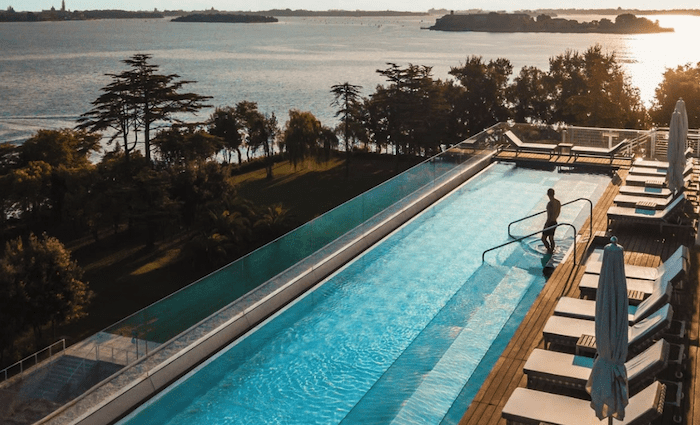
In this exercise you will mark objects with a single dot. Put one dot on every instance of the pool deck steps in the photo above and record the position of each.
(644, 248)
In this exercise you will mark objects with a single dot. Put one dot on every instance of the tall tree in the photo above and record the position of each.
(262, 131)
(138, 98)
(410, 113)
(116, 109)
(226, 123)
(346, 97)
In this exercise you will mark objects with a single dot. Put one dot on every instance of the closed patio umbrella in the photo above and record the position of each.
(677, 135)
(607, 383)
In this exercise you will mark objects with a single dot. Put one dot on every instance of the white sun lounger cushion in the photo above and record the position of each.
(589, 284)
(553, 366)
(674, 265)
(561, 329)
(535, 407)
(585, 309)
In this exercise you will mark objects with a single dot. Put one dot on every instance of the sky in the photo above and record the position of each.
(403, 5)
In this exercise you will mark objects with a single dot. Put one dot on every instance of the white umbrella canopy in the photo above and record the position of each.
(677, 135)
(607, 383)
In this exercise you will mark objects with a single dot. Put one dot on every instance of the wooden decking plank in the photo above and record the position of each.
(474, 414)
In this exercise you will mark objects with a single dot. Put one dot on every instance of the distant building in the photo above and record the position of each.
(63, 5)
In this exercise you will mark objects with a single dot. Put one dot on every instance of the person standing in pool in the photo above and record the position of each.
(553, 210)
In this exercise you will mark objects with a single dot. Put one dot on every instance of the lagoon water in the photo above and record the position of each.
(51, 71)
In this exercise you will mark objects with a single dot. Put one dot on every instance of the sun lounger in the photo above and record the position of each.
(648, 171)
(633, 201)
(521, 146)
(565, 332)
(658, 171)
(646, 214)
(551, 369)
(638, 290)
(660, 164)
(598, 152)
(649, 181)
(648, 191)
(531, 407)
(673, 267)
(585, 309)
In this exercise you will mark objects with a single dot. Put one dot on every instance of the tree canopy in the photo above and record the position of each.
(139, 98)
(680, 82)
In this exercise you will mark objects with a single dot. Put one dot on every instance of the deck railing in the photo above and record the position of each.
(33, 360)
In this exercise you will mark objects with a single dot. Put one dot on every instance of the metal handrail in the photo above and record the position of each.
(590, 227)
(35, 356)
(483, 254)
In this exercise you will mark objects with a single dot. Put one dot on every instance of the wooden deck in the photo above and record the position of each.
(646, 247)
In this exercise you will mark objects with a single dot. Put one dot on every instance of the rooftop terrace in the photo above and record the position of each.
(142, 351)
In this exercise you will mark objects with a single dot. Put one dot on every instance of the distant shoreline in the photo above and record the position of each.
(10, 15)
(522, 22)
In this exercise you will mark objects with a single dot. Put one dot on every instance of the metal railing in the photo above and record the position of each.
(35, 357)
(590, 216)
(483, 254)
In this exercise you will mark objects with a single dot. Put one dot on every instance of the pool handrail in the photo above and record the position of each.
(483, 254)
(590, 215)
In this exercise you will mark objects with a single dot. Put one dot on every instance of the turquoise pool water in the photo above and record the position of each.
(404, 334)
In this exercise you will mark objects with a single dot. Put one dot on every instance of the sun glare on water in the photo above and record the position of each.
(646, 57)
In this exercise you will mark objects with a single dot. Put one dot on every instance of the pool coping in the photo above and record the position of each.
(117, 395)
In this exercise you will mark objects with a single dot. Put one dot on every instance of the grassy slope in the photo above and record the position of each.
(126, 276)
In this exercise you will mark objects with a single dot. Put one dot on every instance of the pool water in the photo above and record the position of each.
(404, 334)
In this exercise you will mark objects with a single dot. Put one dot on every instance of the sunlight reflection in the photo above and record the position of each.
(648, 56)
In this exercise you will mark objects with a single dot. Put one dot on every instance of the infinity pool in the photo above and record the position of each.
(404, 334)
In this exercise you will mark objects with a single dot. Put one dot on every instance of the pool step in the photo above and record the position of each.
(443, 356)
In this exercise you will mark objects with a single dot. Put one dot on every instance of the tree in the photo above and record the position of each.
(681, 82)
(116, 109)
(197, 186)
(529, 96)
(272, 222)
(346, 97)
(262, 131)
(46, 282)
(66, 147)
(137, 99)
(482, 99)
(225, 233)
(226, 123)
(9, 158)
(151, 203)
(29, 186)
(411, 112)
(65, 155)
(301, 135)
(592, 90)
(180, 146)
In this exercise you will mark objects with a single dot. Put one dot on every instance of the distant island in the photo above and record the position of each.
(522, 22)
(224, 17)
(63, 15)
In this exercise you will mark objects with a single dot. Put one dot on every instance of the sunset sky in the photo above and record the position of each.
(414, 5)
